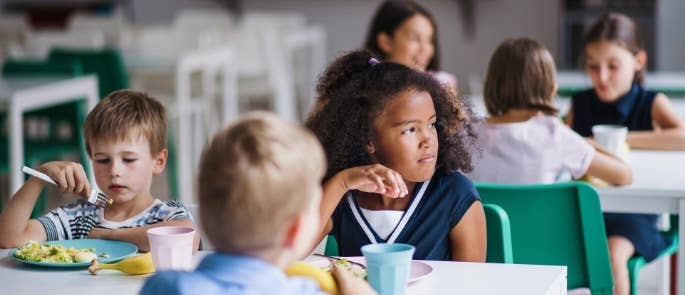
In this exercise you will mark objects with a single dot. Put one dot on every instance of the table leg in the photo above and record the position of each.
(681, 246)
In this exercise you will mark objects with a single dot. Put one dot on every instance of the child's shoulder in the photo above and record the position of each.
(171, 205)
(452, 183)
(584, 94)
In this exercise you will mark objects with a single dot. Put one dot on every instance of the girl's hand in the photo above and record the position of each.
(375, 178)
(349, 284)
(69, 176)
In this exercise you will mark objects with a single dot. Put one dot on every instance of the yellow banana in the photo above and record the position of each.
(136, 265)
(324, 278)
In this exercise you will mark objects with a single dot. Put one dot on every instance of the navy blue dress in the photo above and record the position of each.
(633, 110)
(436, 207)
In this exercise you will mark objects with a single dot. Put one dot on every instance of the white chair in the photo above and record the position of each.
(39, 43)
(202, 28)
(14, 29)
(280, 58)
(115, 30)
(194, 211)
(199, 116)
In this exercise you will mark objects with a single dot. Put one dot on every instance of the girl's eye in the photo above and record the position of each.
(593, 68)
(410, 130)
(102, 161)
(431, 125)
(130, 160)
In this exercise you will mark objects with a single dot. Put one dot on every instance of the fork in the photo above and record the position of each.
(333, 258)
(96, 197)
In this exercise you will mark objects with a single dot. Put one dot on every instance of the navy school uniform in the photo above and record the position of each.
(633, 110)
(436, 206)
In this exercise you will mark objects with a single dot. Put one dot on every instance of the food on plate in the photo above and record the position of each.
(356, 270)
(84, 256)
(37, 252)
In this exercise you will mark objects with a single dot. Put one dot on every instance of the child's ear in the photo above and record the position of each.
(384, 42)
(641, 60)
(370, 148)
(159, 161)
(292, 232)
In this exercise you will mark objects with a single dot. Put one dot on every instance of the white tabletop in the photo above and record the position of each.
(446, 278)
(662, 81)
(657, 179)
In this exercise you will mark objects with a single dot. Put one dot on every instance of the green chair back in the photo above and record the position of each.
(557, 224)
(106, 63)
(499, 234)
(36, 68)
(68, 115)
(637, 262)
(331, 246)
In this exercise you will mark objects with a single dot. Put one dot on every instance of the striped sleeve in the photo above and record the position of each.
(173, 210)
(72, 221)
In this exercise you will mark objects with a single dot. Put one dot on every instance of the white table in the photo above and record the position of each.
(658, 187)
(20, 95)
(661, 81)
(446, 278)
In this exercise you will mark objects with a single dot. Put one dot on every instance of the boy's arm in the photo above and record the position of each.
(468, 239)
(138, 235)
(16, 227)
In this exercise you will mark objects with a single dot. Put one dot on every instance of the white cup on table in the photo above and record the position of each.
(611, 137)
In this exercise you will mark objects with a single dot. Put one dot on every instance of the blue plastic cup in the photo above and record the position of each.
(387, 267)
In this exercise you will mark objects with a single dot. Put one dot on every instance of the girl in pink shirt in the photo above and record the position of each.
(522, 141)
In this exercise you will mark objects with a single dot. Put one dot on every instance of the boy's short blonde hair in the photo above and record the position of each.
(123, 112)
(255, 176)
(521, 75)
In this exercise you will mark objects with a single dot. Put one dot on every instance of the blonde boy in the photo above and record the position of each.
(125, 138)
(259, 190)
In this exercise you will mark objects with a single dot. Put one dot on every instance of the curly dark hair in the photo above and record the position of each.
(352, 92)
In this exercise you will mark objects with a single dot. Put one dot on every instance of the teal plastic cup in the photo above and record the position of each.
(388, 266)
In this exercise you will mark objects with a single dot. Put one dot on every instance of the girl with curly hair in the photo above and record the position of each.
(396, 141)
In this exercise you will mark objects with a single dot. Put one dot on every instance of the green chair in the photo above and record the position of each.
(331, 246)
(557, 224)
(56, 145)
(636, 263)
(499, 234)
(106, 63)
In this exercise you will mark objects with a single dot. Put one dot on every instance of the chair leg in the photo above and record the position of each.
(664, 276)
(674, 273)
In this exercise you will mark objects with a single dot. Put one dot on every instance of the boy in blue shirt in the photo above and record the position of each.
(259, 195)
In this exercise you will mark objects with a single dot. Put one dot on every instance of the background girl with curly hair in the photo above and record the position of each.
(396, 142)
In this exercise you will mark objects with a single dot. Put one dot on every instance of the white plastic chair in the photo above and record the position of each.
(199, 116)
(202, 28)
(39, 43)
(14, 29)
(115, 30)
(266, 46)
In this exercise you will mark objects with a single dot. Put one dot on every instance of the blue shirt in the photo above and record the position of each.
(633, 110)
(221, 273)
(436, 207)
